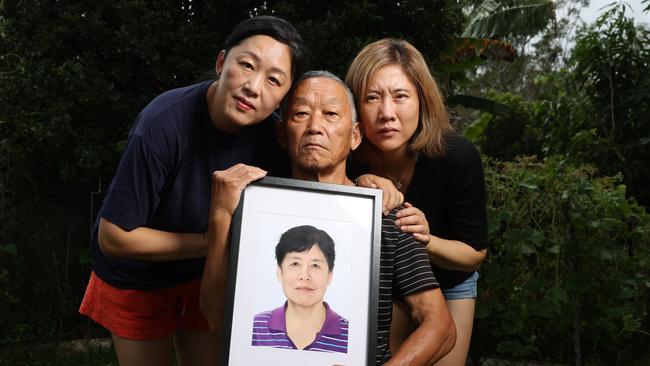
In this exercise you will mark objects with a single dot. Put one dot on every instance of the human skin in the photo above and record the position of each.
(304, 277)
(390, 111)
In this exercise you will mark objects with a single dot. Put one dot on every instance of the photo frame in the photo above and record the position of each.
(259, 292)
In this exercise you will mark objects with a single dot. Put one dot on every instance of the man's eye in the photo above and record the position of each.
(293, 264)
(333, 114)
(315, 265)
(372, 98)
(246, 65)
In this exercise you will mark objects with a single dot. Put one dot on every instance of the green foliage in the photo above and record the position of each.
(509, 134)
(568, 259)
(610, 61)
(336, 30)
(494, 19)
(593, 112)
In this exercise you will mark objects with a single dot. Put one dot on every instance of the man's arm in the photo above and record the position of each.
(227, 186)
(435, 335)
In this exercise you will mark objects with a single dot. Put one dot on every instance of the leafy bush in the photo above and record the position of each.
(508, 135)
(567, 273)
(594, 111)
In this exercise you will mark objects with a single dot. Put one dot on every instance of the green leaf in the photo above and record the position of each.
(557, 293)
(494, 223)
(555, 249)
(526, 248)
(528, 185)
(492, 19)
(9, 249)
(476, 128)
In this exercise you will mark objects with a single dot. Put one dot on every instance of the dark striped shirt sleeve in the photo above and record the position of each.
(411, 270)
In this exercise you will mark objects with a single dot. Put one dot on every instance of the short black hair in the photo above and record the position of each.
(300, 239)
(276, 28)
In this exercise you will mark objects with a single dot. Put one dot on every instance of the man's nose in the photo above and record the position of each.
(315, 124)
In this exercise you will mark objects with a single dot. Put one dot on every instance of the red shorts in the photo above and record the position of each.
(144, 315)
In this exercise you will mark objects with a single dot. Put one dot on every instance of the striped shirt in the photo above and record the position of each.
(405, 270)
(269, 330)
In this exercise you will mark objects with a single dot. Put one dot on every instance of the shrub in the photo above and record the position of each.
(567, 273)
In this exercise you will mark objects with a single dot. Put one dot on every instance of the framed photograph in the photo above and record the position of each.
(303, 275)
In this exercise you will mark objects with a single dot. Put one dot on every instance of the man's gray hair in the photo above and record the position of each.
(319, 74)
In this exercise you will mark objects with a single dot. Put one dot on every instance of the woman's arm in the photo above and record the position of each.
(454, 255)
(149, 244)
(227, 187)
(448, 254)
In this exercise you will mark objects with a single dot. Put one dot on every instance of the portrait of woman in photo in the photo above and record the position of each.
(305, 261)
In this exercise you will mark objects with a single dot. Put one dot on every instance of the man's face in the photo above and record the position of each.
(319, 132)
(305, 276)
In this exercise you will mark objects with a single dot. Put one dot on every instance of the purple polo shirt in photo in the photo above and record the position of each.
(269, 330)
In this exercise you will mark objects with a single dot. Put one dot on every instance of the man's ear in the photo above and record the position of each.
(278, 273)
(356, 136)
(221, 58)
(281, 134)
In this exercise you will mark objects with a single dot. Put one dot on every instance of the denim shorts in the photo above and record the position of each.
(464, 290)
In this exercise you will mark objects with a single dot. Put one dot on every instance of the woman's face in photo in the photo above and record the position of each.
(305, 276)
(254, 76)
(390, 110)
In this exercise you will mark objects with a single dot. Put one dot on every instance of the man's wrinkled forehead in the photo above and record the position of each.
(308, 96)
(319, 90)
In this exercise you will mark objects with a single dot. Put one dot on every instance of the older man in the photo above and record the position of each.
(318, 132)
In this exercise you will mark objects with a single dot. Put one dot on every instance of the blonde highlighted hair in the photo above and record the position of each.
(433, 124)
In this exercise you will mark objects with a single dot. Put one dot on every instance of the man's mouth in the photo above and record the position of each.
(309, 145)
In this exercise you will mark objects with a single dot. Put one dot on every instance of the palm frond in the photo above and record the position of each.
(493, 20)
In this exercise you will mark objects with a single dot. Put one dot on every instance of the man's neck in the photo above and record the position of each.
(337, 176)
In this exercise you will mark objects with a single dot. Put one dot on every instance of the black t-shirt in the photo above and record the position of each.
(163, 181)
(450, 190)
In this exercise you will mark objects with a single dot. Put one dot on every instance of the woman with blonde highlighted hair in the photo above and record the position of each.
(408, 139)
